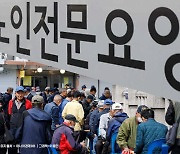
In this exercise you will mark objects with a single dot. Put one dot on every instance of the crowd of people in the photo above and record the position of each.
(66, 118)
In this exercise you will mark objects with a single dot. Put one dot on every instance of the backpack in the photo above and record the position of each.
(172, 133)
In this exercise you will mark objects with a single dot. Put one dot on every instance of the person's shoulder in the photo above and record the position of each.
(129, 120)
(104, 115)
(27, 101)
(161, 125)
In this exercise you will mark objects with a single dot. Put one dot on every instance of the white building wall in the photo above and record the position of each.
(100, 85)
(8, 78)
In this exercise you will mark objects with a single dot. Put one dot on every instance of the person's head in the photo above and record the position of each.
(33, 89)
(38, 89)
(69, 96)
(107, 94)
(107, 103)
(146, 114)
(138, 112)
(27, 89)
(67, 86)
(47, 90)
(10, 90)
(82, 96)
(94, 104)
(20, 93)
(115, 108)
(77, 96)
(93, 90)
(90, 98)
(70, 120)
(63, 92)
(84, 87)
(57, 99)
(106, 88)
(37, 101)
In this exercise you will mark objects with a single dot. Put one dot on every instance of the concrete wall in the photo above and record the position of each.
(100, 85)
(8, 78)
(135, 98)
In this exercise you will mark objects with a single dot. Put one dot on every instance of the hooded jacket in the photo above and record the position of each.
(63, 137)
(35, 131)
(115, 123)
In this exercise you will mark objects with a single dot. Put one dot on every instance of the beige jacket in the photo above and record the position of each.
(76, 109)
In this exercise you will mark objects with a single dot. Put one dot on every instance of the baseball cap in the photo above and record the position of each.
(37, 99)
(116, 106)
(108, 102)
(100, 103)
(71, 117)
(28, 89)
(141, 108)
(19, 88)
(47, 88)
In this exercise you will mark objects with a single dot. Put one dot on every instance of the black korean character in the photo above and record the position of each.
(111, 59)
(75, 36)
(3, 39)
(17, 25)
(42, 24)
(170, 63)
(53, 20)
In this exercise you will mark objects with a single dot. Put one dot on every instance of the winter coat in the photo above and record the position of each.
(53, 110)
(63, 137)
(113, 127)
(103, 97)
(6, 98)
(86, 108)
(29, 97)
(61, 108)
(115, 123)
(126, 137)
(147, 132)
(16, 114)
(76, 109)
(97, 119)
(34, 131)
(172, 116)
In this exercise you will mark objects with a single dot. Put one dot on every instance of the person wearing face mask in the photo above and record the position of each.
(126, 138)
(63, 138)
(148, 131)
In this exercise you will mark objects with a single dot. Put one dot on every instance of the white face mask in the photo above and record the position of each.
(72, 126)
(139, 119)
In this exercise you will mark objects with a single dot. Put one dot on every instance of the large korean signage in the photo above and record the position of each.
(133, 43)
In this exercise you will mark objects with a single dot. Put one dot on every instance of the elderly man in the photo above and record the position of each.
(15, 110)
(53, 110)
(63, 136)
(35, 129)
(148, 131)
(126, 138)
